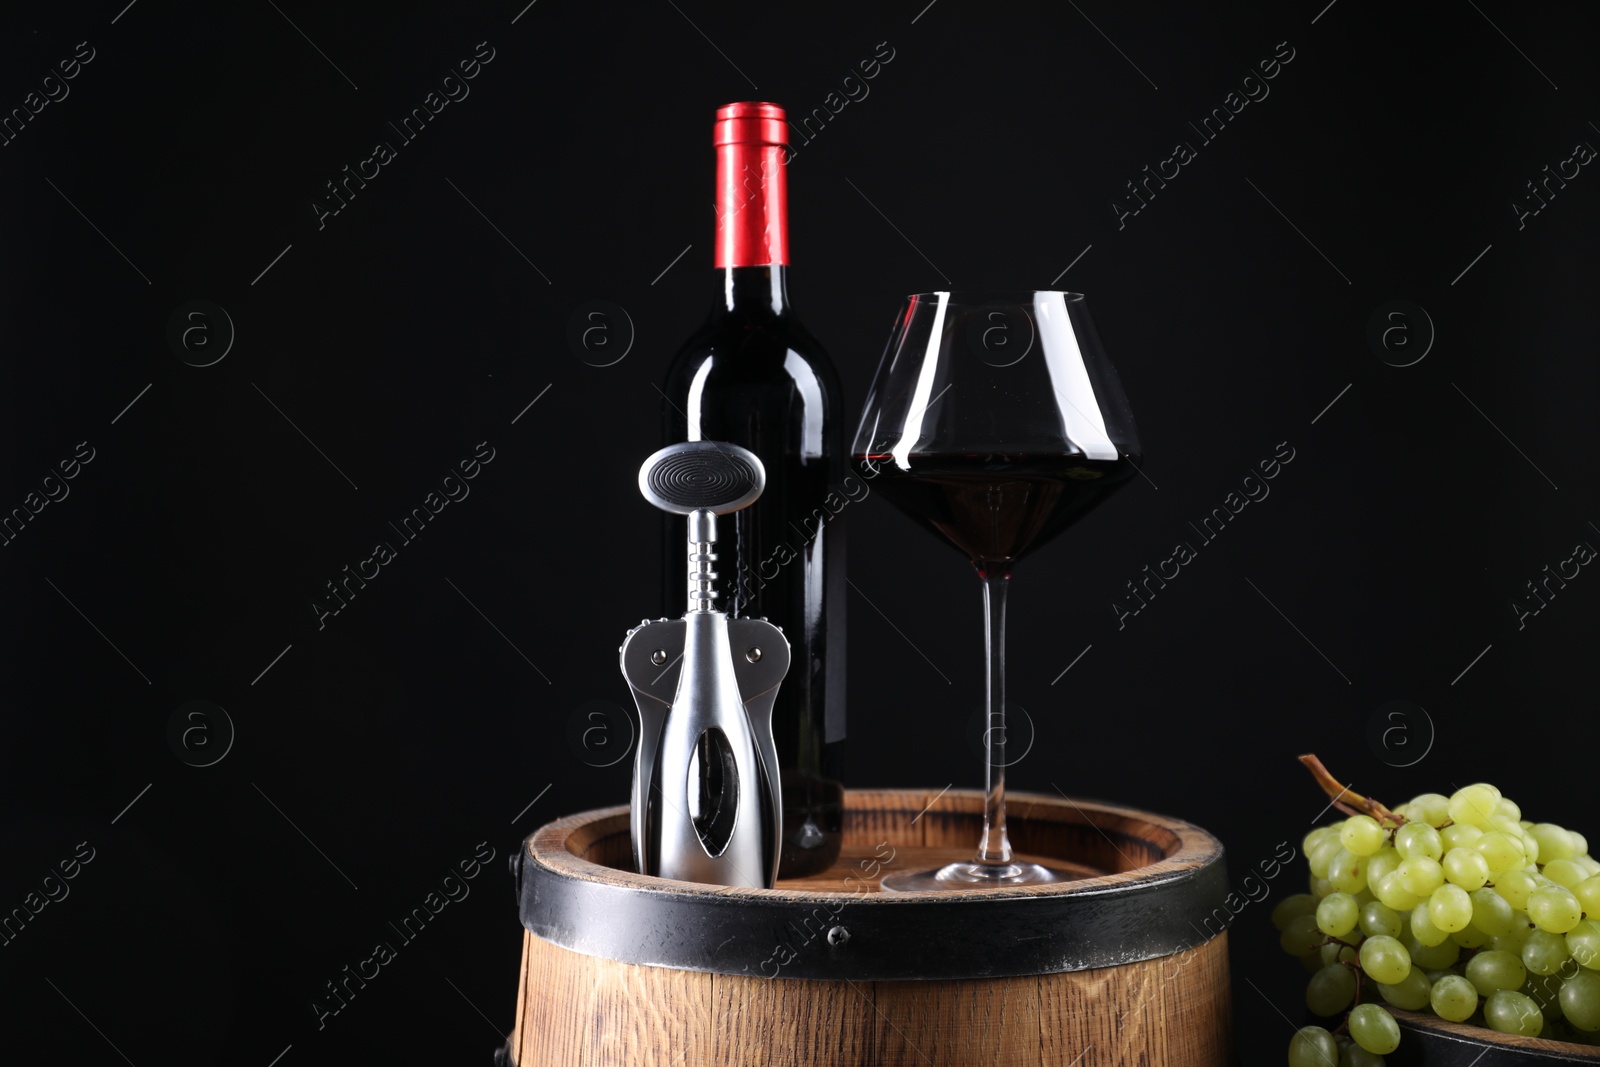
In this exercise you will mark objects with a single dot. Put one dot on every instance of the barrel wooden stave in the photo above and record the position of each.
(588, 1012)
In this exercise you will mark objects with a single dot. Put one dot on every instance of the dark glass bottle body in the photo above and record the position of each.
(753, 376)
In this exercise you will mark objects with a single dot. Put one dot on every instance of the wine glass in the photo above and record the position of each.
(996, 421)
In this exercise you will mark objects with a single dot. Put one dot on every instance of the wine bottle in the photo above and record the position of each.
(752, 375)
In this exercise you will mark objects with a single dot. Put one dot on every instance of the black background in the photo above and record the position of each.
(414, 325)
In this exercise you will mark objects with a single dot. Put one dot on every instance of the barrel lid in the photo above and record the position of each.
(1173, 904)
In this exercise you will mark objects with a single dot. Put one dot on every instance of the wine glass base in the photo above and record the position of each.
(969, 874)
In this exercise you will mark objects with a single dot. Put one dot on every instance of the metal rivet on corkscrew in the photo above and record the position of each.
(707, 806)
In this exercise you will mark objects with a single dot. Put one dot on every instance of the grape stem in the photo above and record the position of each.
(1356, 969)
(1346, 799)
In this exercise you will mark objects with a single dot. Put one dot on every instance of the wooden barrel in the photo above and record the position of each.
(1126, 964)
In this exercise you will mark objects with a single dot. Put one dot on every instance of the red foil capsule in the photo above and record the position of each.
(752, 205)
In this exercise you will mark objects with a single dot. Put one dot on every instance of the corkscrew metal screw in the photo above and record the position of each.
(707, 803)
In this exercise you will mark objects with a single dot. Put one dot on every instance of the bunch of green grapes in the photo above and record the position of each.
(1455, 905)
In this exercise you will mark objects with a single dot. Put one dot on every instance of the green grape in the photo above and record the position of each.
(1320, 887)
(1566, 873)
(1312, 1046)
(1450, 908)
(1544, 952)
(1410, 993)
(1588, 894)
(1337, 914)
(1337, 953)
(1433, 957)
(1362, 835)
(1580, 844)
(1502, 851)
(1516, 886)
(1353, 1055)
(1433, 808)
(1554, 842)
(1385, 959)
(1517, 936)
(1418, 839)
(1459, 835)
(1513, 1013)
(1422, 927)
(1489, 971)
(1545, 991)
(1374, 1029)
(1291, 906)
(1492, 913)
(1331, 990)
(1420, 875)
(1319, 858)
(1453, 998)
(1301, 936)
(1530, 850)
(1473, 804)
(1466, 867)
(1378, 918)
(1554, 908)
(1380, 865)
(1580, 1001)
(1471, 937)
(1505, 825)
(1510, 809)
(1583, 941)
(1393, 892)
(1315, 837)
(1347, 872)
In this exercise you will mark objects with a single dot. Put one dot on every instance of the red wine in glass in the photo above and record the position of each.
(997, 507)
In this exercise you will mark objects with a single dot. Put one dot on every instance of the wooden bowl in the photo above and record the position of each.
(1429, 1041)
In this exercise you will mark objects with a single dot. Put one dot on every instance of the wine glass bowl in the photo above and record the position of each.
(995, 421)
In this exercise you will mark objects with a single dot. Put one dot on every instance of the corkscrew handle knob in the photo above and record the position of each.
(695, 476)
(702, 479)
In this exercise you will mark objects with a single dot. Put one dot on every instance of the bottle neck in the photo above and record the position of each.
(752, 206)
(755, 291)
(752, 242)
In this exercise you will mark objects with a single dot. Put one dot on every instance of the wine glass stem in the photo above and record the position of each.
(995, 847)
